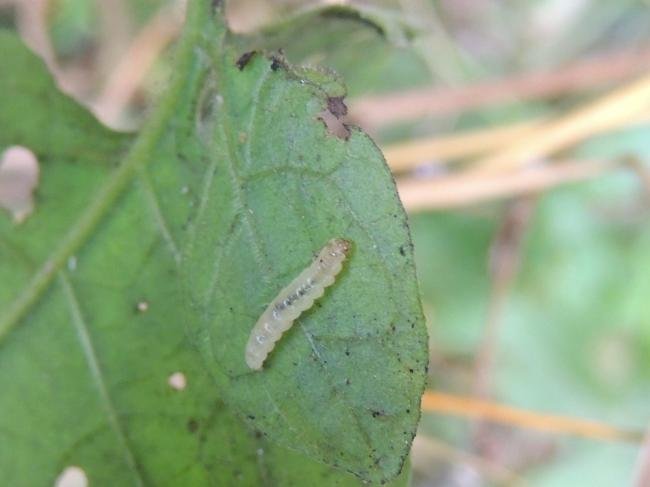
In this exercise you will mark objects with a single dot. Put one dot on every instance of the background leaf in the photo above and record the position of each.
(91, 316)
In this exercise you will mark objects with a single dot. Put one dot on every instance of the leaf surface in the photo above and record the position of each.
(344, 384)
(92, 317)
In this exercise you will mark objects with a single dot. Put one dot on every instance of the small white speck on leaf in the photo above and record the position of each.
(18, 179)
(72, 477)
(177, 381)
(142, 306)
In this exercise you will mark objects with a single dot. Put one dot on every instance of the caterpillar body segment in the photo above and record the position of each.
(294, 299)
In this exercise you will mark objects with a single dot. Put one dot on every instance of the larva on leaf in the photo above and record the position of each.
(297, 297)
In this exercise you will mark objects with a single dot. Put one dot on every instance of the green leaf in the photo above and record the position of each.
(91, 312)
(344, 384)
(397, 28)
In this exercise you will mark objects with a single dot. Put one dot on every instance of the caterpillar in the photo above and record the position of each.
(297, 297)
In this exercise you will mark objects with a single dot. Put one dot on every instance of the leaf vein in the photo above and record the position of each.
(159, 218)
(97, 375)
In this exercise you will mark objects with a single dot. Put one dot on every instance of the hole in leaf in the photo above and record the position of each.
(177, 381)
(333, 117)
(72, 477)
(334, 125)
(18, 178)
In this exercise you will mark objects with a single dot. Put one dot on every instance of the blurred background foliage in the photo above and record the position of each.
(573, 334)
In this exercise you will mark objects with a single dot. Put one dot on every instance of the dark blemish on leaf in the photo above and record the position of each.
(244, 59)
(347, 352)
(376, 414)
(392, 328)
(408, 411)
(402, 251)
(411, 371)
(208, 105)
(192, 425)
(259, 434)
(336, 106)
(275, 63)
(251, 417)
(347, 382)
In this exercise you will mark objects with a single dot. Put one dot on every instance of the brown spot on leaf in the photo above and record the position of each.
(244, 59)
(277, 62)
(336, 105)
(192, 425)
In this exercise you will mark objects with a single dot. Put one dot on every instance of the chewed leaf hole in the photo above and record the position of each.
(333, 116)
(177, 381)
(18, 179)
(72, 477)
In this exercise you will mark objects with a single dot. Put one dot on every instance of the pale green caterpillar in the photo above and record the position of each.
(293, 300)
